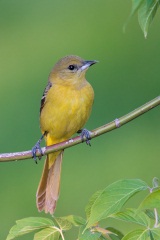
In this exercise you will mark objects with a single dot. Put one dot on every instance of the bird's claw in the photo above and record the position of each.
(85, 134)
(34, 150)
(37, 147)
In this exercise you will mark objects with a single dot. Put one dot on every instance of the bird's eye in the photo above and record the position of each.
(71, 67)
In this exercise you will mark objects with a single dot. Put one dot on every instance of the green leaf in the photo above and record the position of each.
(106, 233)
(28, 225)
(63, 223)
(118, 235)
(137, 234)
(75, 220)
(146, 14)
(47, 234)
(151, 201)
(131, 215)
(112, 198)
(155, 233)
(155, 182)
(112, 237)
(135, 6)
(151, 214)
(88, 234)
(91, 202)
(151, 235)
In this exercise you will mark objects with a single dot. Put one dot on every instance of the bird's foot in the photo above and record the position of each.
(85, 136)
(36, 148)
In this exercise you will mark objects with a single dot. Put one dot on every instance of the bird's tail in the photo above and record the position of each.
(48, 189)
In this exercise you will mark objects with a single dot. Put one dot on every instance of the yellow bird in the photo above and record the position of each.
(65, 107)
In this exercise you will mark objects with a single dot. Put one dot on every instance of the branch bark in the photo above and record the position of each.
(6, 157)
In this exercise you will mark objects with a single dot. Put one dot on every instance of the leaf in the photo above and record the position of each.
(115, 238)
(88, 235)
(91, 202)
(118, 235)
(131, 215)
(47, 234)
(75, 220)
(155, 182)
(28, 225)
(137, 234)
(155, 233)
(151, 201)
(111, 199)
(151, 214)
(63, 223)
(146, 14)
(135, 6)
(106, 233)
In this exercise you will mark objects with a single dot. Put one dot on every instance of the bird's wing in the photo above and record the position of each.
(49, 85)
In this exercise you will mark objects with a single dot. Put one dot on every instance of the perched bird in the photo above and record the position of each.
(65, 107)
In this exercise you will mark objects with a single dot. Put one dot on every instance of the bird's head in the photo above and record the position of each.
(70, 70)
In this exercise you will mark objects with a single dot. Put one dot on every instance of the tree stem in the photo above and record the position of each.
(6, 157)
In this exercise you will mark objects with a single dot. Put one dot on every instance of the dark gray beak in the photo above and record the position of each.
(87, 64)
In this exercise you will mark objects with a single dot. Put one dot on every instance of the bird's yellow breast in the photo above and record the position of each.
(66, 110)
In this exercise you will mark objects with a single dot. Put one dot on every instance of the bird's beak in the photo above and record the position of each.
(87, 64)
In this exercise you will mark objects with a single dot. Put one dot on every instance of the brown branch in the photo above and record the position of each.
(6, 157)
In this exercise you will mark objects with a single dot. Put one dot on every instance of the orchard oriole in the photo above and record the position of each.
(65, 107)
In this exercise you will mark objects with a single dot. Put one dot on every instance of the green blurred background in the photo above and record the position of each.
(33, 36)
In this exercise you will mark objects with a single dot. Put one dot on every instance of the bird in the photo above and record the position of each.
(65, 107)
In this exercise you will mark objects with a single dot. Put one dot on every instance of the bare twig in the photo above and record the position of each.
(6, 157)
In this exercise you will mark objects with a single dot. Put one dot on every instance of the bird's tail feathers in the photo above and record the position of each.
(48, 189)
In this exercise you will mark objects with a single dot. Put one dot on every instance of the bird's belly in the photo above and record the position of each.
(67, 114)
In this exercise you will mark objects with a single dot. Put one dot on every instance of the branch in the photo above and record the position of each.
(6, 157)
